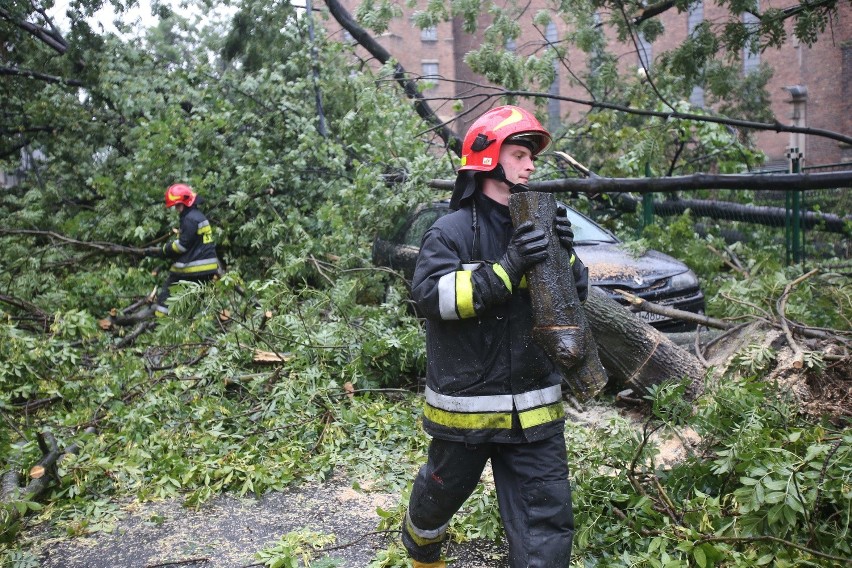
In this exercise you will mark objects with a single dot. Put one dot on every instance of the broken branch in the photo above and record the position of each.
(780, 306)
(646, 306)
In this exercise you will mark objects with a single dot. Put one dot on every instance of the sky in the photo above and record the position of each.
(139, 15)
(106, 15)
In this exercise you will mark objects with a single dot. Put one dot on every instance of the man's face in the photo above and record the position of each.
(517, 162)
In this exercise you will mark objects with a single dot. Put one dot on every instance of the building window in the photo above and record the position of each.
(646, 53)
(429, 72)
(597, 56)
(429, 34)
(553, 115)
(511, 45)
(694, 17)
(751, 59)
(696, 97)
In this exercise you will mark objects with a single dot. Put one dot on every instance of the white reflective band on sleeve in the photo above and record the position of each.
(536, 398)
(493, 403)
(447, 296)
(179, 247)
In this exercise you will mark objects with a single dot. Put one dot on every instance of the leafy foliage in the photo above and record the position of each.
(188, 411)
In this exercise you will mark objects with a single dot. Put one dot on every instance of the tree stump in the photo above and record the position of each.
(560, 326)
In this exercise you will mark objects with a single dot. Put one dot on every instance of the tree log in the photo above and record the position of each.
(634, 353)
(560, 326)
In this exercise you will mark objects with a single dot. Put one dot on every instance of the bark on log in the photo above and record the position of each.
(634, 353)
(559, 323)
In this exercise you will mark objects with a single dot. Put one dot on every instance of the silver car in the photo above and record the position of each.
(654, 276)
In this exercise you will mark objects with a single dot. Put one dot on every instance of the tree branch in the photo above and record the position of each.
(756, 182)
(780, 307)
(844, 561)
(669, 115)
(98, 245)
(51, 38)
(40, 476)
(35, 312)
(674, 313)
(40, 76)
(422, 107)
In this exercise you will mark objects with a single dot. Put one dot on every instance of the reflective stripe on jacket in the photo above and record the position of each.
(487, 380)
(194, 249)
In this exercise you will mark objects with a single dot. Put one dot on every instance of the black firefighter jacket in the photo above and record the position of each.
(486, 379)
(194, 249)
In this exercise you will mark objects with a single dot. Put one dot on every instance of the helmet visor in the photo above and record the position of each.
(535, 142)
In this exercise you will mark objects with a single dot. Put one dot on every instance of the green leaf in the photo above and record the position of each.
(794, 503)
(700, 557)
(775, 497)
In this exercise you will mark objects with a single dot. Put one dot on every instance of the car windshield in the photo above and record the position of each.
(587, 231)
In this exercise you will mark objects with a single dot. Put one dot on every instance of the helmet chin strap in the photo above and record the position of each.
(499, 174)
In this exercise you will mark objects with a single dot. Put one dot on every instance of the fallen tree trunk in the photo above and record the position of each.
(635, 354)
(15, 498)
(560, 326)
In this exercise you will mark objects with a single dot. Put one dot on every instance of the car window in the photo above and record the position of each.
(421, 223)
(586, 230)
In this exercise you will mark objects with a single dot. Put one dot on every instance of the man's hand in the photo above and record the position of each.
(153, 251)
(562, 226)
(527, 247)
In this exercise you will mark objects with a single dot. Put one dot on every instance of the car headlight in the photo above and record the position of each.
(686, 279)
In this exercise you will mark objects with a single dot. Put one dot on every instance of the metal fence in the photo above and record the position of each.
(813, 226)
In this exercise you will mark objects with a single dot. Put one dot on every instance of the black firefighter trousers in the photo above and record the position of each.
(533, 493)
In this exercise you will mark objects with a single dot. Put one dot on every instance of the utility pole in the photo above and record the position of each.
(793, 235)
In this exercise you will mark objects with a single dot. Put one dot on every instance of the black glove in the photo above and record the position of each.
(153, 251)
(562, 226)
(527, 247)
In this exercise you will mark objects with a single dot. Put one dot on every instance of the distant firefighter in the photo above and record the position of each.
(194, 248)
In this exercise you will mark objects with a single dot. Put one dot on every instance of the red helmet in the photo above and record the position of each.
(180, 193)
(482, 143)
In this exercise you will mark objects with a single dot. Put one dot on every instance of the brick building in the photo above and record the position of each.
(811, 86)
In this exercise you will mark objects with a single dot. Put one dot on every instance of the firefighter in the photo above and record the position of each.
(193, 249)
(491, 392)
